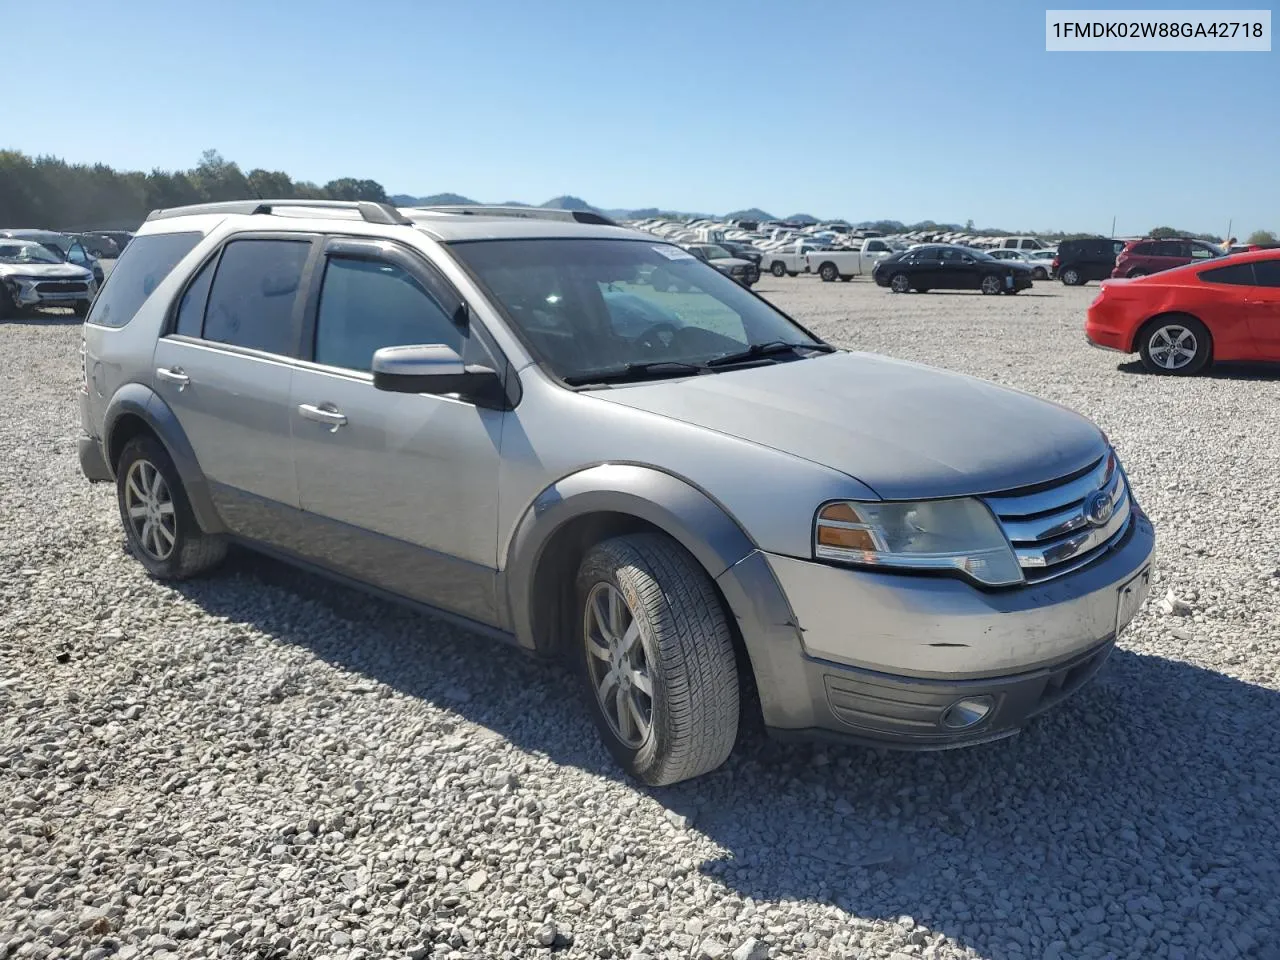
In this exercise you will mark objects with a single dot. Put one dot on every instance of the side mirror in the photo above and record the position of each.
(436, 369)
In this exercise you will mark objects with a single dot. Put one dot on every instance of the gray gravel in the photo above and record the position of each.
(261, 765)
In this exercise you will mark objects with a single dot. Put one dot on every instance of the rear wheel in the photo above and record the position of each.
(778, 269)
(1039, 273)
(828, 272)
(900, 283)
(1071, 277)
(991, 284)
(157, 517)
(1175, 344)
(656, 655)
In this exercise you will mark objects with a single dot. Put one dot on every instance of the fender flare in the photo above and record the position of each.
(680, 509)
(139, 400)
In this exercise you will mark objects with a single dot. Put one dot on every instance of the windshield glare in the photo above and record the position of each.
(26, 253)
(586, 306)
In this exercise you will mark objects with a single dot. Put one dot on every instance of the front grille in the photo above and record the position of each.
(62, 286)
(1062, 526)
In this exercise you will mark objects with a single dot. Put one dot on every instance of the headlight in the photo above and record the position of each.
(958, 535)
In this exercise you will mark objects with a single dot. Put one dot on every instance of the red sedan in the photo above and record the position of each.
(1181, 320)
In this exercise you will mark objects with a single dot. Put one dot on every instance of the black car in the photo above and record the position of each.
(743, 271)
(743, 251)
(99, 245)
(1093, 258)
(120, 238)
(944, 266)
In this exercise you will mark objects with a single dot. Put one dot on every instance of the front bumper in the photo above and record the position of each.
(879, 658)
(31, 293)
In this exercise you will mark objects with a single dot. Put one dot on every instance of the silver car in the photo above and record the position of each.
(587, 442)
(33, 276)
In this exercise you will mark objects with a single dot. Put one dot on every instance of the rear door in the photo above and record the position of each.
(1263, 304)
(224, 368)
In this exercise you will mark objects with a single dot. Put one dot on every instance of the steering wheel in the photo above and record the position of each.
(658, 336)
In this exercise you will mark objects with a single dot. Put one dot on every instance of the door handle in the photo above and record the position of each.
(174, 375)
(332, 418)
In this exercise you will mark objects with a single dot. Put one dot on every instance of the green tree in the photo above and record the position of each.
(1261, 236)
(1161, 233)
(350, 189)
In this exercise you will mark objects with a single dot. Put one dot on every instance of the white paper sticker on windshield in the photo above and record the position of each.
(675, 253)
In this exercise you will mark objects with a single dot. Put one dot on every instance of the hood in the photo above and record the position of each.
(45, 271)
(728, 263)
(907, 431)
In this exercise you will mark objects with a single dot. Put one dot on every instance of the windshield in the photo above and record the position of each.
(23, 252)
(586, 306)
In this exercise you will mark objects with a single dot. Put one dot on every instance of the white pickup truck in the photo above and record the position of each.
(789, 260)
(833, 265)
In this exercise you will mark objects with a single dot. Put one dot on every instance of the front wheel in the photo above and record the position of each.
(82, 308)
(900, 283)
(1179, 345)
(656, 655)
(158, 521)
(991, 284)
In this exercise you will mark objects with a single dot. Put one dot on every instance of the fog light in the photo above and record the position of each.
(968, 712)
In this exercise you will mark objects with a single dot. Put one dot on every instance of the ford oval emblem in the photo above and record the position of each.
(1098, 509)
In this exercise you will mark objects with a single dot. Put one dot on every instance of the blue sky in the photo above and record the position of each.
(906, 110)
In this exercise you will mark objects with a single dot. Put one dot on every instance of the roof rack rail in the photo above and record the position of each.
(370, 212)
(528, 213)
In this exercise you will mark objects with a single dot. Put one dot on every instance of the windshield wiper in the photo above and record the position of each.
(769, 349)
(635, 371)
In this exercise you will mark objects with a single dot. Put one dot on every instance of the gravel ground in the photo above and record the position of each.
(259, 765)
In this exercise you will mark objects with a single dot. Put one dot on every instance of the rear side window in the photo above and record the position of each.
(1267, 273)
(252, 297)
(141, 268)
(191, 309)
(1145, 250)
(1240, 274)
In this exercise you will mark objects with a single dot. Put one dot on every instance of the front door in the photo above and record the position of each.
(958, 270)
(224, 369)
(398, 490)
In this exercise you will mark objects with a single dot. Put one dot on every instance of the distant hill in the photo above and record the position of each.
(753, 213)
(802, 218)
(568, 203)
(435, 200)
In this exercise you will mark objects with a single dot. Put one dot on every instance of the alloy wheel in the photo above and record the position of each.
(618, 665)
(990, 284)
(149, 506)
(1173, 346)
(900, 283)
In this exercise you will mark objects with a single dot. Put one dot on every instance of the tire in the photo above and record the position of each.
(1175, 338)
(1072, 277)
(8, 309)
(778, 268)
(82, 308)
(991, 285)
(1039, 273)
(922, 289)
(1015, 290)
(846, 277)
(828, 272)
(900, 283)
(793, 273)
(182, 549)
(680, 645)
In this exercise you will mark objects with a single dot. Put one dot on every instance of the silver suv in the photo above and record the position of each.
(594, 445)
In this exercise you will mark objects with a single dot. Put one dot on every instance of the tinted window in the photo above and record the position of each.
(876, 246)
(251, 301)
(953, 256)
(1267, 273)
(191, 309)
(1201, 252)
(369, 304)
(1238, 273)
(142, 266)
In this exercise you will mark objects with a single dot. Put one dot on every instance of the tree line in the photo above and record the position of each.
(50, 193)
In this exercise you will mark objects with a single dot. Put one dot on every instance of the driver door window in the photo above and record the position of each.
(369, 304)
(76, 255)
